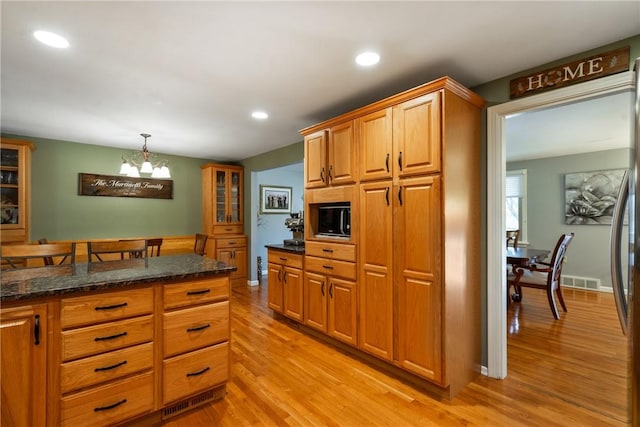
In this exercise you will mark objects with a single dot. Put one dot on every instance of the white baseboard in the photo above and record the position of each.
(483, 370)
(253, 282)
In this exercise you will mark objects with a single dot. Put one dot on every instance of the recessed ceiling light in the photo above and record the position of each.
(51, 39)
(260, 115)
(368, 59)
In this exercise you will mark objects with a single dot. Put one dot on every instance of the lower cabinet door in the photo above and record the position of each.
(342, 311)
(316, 289)
(109, 404)
(194, 372)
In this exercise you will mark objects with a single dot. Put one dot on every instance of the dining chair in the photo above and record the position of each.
(200, 244)
(153, 246)
(16, 256)
(543, 275)
(98, 249)
(512, 238)
(47, 260)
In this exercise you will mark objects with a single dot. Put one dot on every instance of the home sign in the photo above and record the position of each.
(119, 186)
(579, 71)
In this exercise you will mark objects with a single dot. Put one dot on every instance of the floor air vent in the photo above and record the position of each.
(590, 283)
(192, 402)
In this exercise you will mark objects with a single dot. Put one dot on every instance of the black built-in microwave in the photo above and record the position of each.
(334, 220)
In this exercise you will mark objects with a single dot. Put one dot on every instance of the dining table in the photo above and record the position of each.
(520, 259)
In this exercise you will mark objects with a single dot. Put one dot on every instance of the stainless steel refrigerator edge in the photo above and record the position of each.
(628, 304)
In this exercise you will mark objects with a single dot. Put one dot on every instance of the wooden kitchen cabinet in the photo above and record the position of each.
(222, 199)
(285, 283)
(106, 354)
(330, 290)
(24, 342)
(417, 232)
(232, 250)
(330, 156)
(15, 190)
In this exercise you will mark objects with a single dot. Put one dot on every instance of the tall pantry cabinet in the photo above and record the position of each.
(417, 232)
(222, 217)
(15, 190)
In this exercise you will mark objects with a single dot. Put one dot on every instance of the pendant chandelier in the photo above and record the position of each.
(142, 162)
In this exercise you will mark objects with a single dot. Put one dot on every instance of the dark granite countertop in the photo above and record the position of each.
(28, 283)
(287, 248)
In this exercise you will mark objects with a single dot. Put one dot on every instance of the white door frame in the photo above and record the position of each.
(496, 169)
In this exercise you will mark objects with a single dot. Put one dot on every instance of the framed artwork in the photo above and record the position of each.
(275, 200)
(590, 197)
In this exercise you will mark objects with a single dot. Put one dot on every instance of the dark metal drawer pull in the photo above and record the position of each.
(195, 374)
(200, 292)
(111, 337)
(327, 250)
(108, 368)
(199, 328)
(106, 408)
(111, 307)
(283, 258)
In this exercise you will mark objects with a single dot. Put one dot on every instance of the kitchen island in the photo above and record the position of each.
(109, 342)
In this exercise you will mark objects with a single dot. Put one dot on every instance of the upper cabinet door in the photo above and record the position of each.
(315, 155)
(416, 135)
(374, 132)
(15, 177)
(342, 155)
(235, 198)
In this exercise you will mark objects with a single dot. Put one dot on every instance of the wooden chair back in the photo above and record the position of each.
(96, 251)
(47, 260)
(153, 246)
(16, 256)
(200, 244)
(545, 275)
(512, 238)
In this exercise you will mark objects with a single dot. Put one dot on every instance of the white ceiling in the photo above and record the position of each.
(190, 73)
(596, 124)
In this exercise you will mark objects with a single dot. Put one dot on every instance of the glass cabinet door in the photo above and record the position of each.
(9, 186)
(221, 197)
(234, 199)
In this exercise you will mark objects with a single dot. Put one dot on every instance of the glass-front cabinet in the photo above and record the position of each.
(222, 199)
(15, 177)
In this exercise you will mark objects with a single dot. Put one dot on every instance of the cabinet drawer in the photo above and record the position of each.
(196, 292)
(93, 309)
(287, 259)
(331, 267)
(194, 372)
(231, 242)
(109, 404)
(92, 340)
(105, 367)
(338, 251)
(197, 327)
(227, 229)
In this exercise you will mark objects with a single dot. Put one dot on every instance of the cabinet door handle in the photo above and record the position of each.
(279, 275)
(111, 307)
(200, 292)
(330, 174)
(200, 372)
(285, 277)
(331, 290)
(106, 408)
(322, 289)
(198, 328)
(108, 368)
(400, 195)
(322, 174)
(36, 330)
(110, 337)
(386, 162)
(400, 160)
(386, 195)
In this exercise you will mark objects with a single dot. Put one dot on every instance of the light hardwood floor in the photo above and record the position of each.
(569, 372)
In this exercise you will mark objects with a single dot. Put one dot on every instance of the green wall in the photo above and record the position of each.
(59, 213)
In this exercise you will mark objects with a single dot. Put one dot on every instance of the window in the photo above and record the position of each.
(516, 197)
